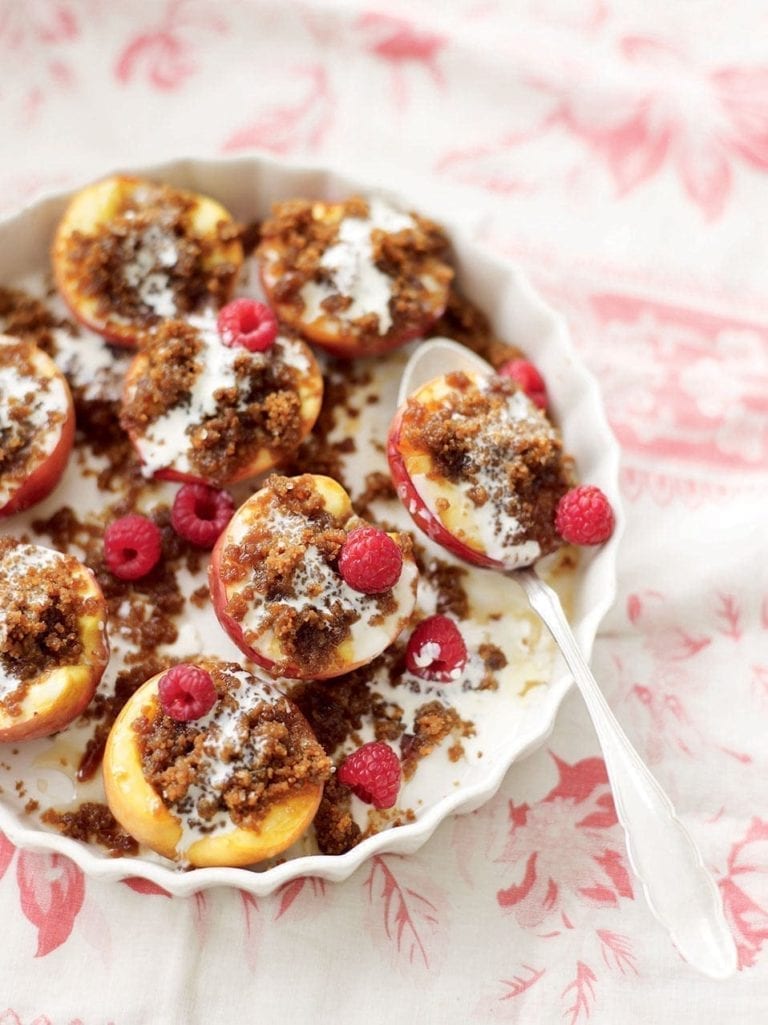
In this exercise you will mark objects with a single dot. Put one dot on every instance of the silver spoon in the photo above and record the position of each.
(679, 890)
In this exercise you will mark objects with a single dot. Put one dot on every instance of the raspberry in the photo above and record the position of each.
(373, 773)
(529, 379)
(436, 650)
(370, 560)
(132, 547)
(186, 692)
(248, 323)
(584, 516)
(200, 513)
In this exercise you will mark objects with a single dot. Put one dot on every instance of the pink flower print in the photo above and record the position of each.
(562, 851)
(165, 54)
(36, 22)
(52, 890)
(745, 892)
(660, 107)
(399, 42)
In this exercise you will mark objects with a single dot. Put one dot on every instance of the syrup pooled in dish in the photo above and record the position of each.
(357, 278)
(130, 253)
(233, 781)
(480, 469)
(281, 590)
(53, 646)
(199, 410)
(37, 424)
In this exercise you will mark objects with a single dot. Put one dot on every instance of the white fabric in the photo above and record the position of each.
(619, 152)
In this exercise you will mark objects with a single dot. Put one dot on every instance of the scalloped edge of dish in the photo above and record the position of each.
(575, 388)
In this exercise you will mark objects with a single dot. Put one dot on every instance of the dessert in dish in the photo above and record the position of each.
(358, 277)
(37, 424)
(130, 253)
(53, 645)
(208, 765)
(480, 469)
(390, 649)
(304, 586)
(201, 406)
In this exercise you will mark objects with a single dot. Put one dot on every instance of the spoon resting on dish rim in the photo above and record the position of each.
(680, 892)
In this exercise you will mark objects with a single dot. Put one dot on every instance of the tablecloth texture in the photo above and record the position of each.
(619, 152)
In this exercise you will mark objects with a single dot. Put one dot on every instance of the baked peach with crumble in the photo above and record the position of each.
(480, 469)
(37, 425)
(305, 587)
(202, 405)
(358, 277)
(129, 253)
(208, 765)
(53, 642)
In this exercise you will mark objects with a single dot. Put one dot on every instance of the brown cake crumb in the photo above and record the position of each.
(271, 752)
(93, 822)
(467, 324)
(33, 406)
(336, 831)
(150, 236)
(263, 412)
(268, 568)
(433, 722)
(42, 600)
(299, 232)
(517, 460)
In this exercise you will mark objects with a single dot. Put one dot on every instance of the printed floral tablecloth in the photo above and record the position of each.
(619, 151)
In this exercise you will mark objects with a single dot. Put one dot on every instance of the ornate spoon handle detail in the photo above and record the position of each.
(680, 891)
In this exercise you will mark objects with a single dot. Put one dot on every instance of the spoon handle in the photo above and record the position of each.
(680, 892)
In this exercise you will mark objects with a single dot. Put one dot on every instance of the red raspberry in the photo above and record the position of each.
(584, 516)
(373, 773)
(436, 650)
(248, 323)
(529, 379)
(200, 513)
(132, 547)
(186, 692)
(370, 560)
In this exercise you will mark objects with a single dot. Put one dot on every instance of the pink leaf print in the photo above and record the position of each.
(399, 42)
(561, 850)
(583, 993)
(729, 614)
(745, 892)
(52, 890)
(291, 891)
(286, 128)
(139, 885)
(520, 983)
(251, 911)
(617, 951)
(6, 853)
(408, 915)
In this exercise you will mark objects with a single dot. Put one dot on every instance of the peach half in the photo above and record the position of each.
(234, 415)
(379, 281)
(175, 826)
(480, 469)
(129, 253)
(53, 641)
(37, 422)
(277, 590)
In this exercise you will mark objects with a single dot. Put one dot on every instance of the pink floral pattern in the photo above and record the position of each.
(626, 170)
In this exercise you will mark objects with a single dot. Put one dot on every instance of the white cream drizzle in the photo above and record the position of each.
(166, 441)
(351, 270)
